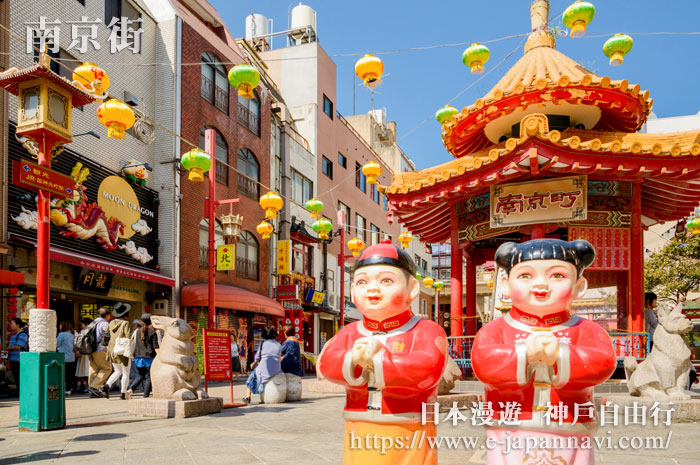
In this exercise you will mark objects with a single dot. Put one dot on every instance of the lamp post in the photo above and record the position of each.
(210, 206)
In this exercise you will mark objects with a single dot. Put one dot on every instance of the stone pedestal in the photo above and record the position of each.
(166, 408)
(464, 400)
(293, 387)
(325, 387)
(42, 330)
(275, 390)
(685, 411)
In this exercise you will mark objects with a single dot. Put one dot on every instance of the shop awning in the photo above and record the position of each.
(235, 298)
(77, 259)
(11, 278)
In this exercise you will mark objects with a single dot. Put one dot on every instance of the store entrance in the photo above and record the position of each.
(64, 310)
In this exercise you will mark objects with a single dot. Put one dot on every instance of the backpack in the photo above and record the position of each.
(86, 342)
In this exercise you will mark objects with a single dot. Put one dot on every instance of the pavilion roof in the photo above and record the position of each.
(667, 165)
(10, 80)
(545, 80)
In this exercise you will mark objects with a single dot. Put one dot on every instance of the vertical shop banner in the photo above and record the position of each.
(217, 355)
(283, 261)
(225, 257)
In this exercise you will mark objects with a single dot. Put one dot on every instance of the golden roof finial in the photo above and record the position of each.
(540, 35)
(44, 58)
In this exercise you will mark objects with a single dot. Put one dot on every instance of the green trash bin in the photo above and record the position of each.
(42, 397)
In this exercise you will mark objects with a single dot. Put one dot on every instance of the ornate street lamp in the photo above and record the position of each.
(232, 227)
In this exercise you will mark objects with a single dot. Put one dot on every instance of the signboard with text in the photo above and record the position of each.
(315, 297)
(217, 354)
(225, 257)
(96, 282)
(34, 177)
(287, 292)
(533, 202)
(283, 257)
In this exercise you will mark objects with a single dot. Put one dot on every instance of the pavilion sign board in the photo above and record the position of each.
(543, 201)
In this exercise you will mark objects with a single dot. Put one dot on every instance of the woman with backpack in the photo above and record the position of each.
(267, 364)
(145, 350)
(119, 332)
(82, 368)
(19, 342)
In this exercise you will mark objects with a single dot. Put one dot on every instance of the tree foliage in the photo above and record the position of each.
(674, 271)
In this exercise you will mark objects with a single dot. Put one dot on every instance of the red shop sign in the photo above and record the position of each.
(217, 355)
(34, 177)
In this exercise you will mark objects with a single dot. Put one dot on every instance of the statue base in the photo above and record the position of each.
(685, 411)
(169, 408)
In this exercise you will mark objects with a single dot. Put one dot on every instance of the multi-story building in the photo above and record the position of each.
(122, 181)
(242, 170)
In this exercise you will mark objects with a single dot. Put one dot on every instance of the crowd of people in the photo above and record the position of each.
(108, 351)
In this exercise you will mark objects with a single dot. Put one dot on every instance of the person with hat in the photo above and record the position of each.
(539, 363)
(390, 363)
(119, 329)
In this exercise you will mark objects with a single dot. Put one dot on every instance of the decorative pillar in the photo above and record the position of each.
(637, 262)
(210, 146)
(538, 231)
(471, 293)
(456, 276)
(622, 299)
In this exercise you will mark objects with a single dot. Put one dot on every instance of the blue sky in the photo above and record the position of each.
(417, 83)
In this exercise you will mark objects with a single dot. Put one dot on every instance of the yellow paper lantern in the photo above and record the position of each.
(372, 170)
(356, 245)
(405, 239)
(428, 281)
(265, 229)
(369, 68)
(91, 77)
(271, 203)
(117, 116)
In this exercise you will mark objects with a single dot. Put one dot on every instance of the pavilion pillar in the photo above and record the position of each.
(456, 277)
(471, 292)
(538, 231)
(623, 310)
(637, 262)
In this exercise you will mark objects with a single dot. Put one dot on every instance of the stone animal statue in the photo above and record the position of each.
(175, 370)
(664, 374)
(451, 374)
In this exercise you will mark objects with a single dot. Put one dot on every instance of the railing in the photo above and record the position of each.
(214, 94)
(624, 344)
(221, 173)
(248, 187)
(246, 268)
(249, 119)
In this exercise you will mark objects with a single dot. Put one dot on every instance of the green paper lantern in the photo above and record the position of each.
(245, 78)
(617, 47)
(578, 16)
(445, 113)
(322, 227)
(475, 56)
(197, 162)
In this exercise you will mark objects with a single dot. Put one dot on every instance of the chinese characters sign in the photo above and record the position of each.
(283, 260)
(30, 176)
(315, 296)
(93, 281)
(225, 257)
(550, 201)
(217, 354)
(124, 34)
(612, 246)
(287, 292)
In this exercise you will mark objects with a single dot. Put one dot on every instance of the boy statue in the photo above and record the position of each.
(539, 363)
(390, 363)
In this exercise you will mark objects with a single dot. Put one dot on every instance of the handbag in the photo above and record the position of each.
(122, 347)
(255, 363)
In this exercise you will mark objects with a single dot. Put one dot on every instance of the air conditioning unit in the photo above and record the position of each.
(160, 307)
(332, 300)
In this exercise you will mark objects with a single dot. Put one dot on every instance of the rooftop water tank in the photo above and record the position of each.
(303, 16)
(256, 25)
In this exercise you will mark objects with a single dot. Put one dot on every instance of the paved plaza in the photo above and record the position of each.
(309, 432)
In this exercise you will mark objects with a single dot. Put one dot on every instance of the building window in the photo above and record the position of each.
(204, 241)
(248, 174)
(348, 219)
(386, 203)
(361, 227)
(115, 9)
(342, 160)
(327, 106)
(214, 86)
(424, 307)
(249, 113)
(302, 259)
(221, 155)
(302, 188)
(327, 167)
(374, 192)
(360, 178)
(247, 256)
(375, 234)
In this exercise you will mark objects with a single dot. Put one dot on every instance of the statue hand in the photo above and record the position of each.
(542, 348)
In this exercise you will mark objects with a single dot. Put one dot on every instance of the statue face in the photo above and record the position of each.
(381, 292)
(541, 287)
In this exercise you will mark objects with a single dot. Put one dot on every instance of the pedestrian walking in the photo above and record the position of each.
(235, 356)
(65, 343)
(19, 342)
(268, 364)
(651, 320)
(100, 366)
(145, 350)
(82, 365)
(119, 339)
(291, 353)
